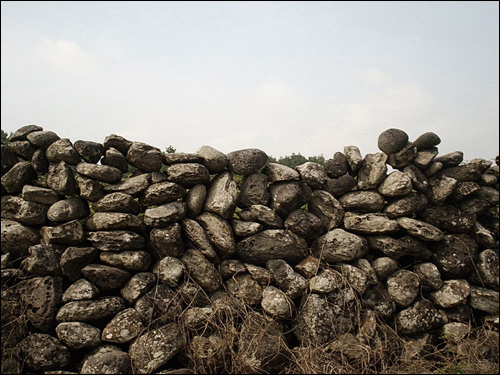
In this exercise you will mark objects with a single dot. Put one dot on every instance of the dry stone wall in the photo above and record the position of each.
(106, 272)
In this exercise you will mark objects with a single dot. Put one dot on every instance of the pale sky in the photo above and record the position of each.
(284, 77)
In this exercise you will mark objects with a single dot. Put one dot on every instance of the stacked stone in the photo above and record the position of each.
(132, 271)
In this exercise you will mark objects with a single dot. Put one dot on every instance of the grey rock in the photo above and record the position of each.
(422, 316)
(230, 267)
(426, 141)
(440, 188)
(246, 161)
(42, 138)
(396, 184)
(403, 286)
(144, 157)
(155, 348)
(113, 220)
(402, 158)
(117, 202)
(40, 297)
(328, 209)
(188, 174)
(197, 318)
(39, 194)
(118, 142)
(138, 285)
(89, 151)
(418, 178)
(316, 320)
(124, 327)
(339, 245)
(222, 196)
(90, 310)
(425, 157)
(451, 293)
(213, 159)
(362, 201)
(399, 247)
(254, 190)
(429, 275)
(197, 236)
(17, 238)
(378, 299)
(355, 277)
(340, 186)
(162, 192)
(69, 233)
(159, 306)
(308, 267)
(293, 284)
(279, 172)
(288, 196)
(487, 271)
(181, 157)
(246, 228)
(43, 352)
(167, 241)
(39, 162)
(106, 278)
(23, 149)
(304, 224)
(62, 150)
(372, 171)
(169, 270)
(201, 270)
(466, 172)
(448, 218)
(483, 299)
(353, 156)
(262, 214)
(114, 158)
(90, 190)
(385, 266)
(61, 179)
(78, 335)
(132, 260)
(165, 214)
(43, 260)
(421, 230)
(406, 206)
(433, 168)
(244, 287)
(370, 223)
(99, 172)
(454, 255)
(260, 274)
(8, 159)
(337, 166)
(131, 185)
(272, 244)
(220, 233)
(195, 199)
(392, 140)
(106, 359)
(451, 159)
(74, 259)
(326, 281)
(68, 209)
(21, 133)
(313, 174)
(266, 354)
(20, 174)
(81, 289)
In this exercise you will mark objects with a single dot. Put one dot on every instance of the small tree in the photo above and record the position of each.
(5, 137)
(170, 149)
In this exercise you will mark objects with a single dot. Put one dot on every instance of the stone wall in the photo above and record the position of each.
(104, 271)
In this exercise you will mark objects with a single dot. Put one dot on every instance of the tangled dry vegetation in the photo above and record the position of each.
(224, 340)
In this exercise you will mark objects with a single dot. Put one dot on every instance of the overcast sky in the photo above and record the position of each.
(284, 77)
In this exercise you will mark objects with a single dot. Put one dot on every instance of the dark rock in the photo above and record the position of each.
(42, 139)
(406, 206)
(124, 327)
(220, 233)
(99, 172)
(354, 158)
(138, 285)
(340, 186)
(113, 220)
(403, 157)
(21, 133)
(362, 201)
(222, 196)
(454, 255)
(9, 159)
(197, 236)
(246, 161)
(105, 277)
(202, 271)
(78, 335)
(426, 141)
(448, 218)
(392, 140)
(213, 159)
(279, 172)
(254, 190)
(70, 233)
(304, 224)
(118, 142)
(90, 310)
(165, 214)
(20, 174)
(89, 151)
(188, 174)
(132, 185)
(39, 195)
(61, 179)
(43, 352)
(106, 359)
(62, 150)
(167, 241)
(450, 160)
(39, 162)
(262, 214)
(195, 199)
(162, 192)
(17, 238)
(117, 202)
(145, 157)
(328, 209)
(313, 174)
(339, 246)
(74, 259)
(23, 149)
(24, 212)
(116, 240)
(337, 166)
(288, 196)
(90, 190)
(420, 317)
(68, 209)
(372, 171)
(132, 260)
(244, 287)
(116, 159)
